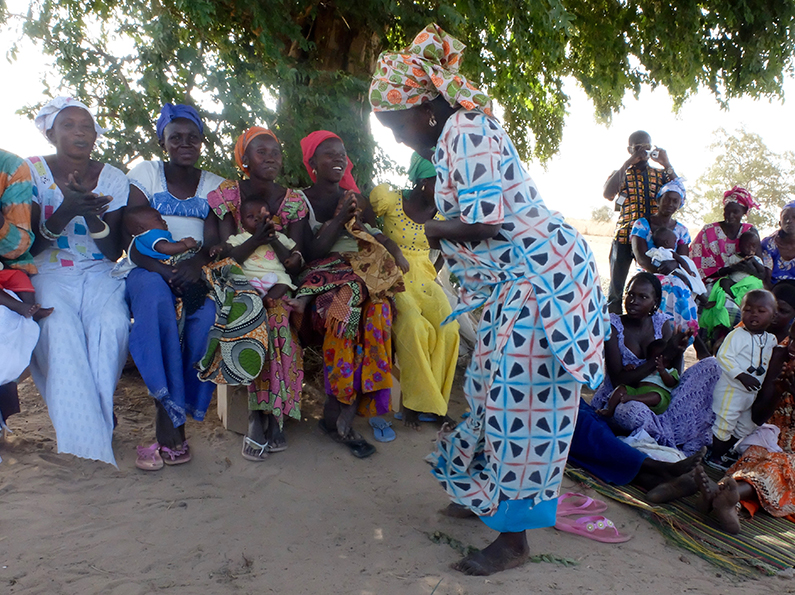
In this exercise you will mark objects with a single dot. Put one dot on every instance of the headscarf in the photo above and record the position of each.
(420, 168)
(244, 140)
(46, 116)
(741, 196)
(675, 185)
(423, 71)
(171, 112)
(309, 145)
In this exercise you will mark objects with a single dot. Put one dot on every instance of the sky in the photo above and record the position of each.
(571, 182)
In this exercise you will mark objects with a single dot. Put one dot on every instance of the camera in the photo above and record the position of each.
(653, 153)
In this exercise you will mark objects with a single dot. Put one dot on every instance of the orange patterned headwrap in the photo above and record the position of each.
(423, 71)
(244, 140)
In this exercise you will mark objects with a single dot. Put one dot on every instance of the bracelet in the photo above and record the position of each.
(46, 233)
(100, 235)
(301, 256)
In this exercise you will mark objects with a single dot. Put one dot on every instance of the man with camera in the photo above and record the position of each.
(636, 184)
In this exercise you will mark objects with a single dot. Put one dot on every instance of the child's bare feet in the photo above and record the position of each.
(22, 308)
(42, 313)
(725, 505)
(706, 489)
(615, 398)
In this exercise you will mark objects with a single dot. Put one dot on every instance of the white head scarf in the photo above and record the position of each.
(46, 116)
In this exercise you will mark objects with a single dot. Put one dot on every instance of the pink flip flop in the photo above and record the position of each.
(177, 456)
(573, 503)
(595, 527)
(149, 458)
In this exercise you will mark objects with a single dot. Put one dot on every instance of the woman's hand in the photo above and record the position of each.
(346, 207)
(667, 267)
(185, 273)
(78, 201)
(265, 232)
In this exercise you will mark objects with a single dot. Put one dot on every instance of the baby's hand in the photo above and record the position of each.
(748, 381)
(629, 367)
(216, 250)
(293, 261)
(659, 363)
(190, 243)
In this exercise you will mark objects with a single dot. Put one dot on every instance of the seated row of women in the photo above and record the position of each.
(178, 224)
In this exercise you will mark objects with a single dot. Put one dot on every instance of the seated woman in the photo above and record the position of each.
(354, 317)
(426, 350)
(277, 391)
(678, 300)
(687, 423)
(764, 475)
(18, 307)
(164, 348)
(77, 217)
(717, 242)
(778, 249)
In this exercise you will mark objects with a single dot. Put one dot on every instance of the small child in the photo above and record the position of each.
(743, 358)
(747, 252)
(266, 266)
(151, 236)
(24, 304)
(654, 391)
(665, 242)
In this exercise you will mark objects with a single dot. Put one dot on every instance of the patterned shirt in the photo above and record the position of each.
(16, 192)
(639, 193)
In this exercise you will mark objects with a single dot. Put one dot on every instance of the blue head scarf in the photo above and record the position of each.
(675, 185)
(171, 112)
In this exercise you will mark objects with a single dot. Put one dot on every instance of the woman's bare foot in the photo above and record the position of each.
(509, 550)
(277, 441)
(411, 419)
(706, 490)
(457, 511)
(345, 418)
(680, 487)
(725, 505)
(615, 399)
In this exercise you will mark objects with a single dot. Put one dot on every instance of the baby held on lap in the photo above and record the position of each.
(264, 254)
(743, 357)
(665, 242)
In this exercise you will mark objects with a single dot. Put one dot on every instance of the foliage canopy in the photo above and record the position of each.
(314, 58)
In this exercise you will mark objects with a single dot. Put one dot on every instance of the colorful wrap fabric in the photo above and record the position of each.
(16, 194)
(244, 140)
(423, 71)
(309, 145)
(740, 196)
(47, 115)
(238, 341)
(171, 112)
(675, 185)
(374, 264)
(420, 168)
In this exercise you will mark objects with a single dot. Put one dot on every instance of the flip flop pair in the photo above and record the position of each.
(592, 526)
(155, 456)
(423, 417)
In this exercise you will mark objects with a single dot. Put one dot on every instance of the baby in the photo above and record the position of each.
(151, 236)
(264, 255)
(747, 253)
(665, 242)
(743, 358)
(654, 391)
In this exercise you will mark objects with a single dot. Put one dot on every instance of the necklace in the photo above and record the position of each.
(760, 369)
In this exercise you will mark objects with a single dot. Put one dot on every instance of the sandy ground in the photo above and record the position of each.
(312, 519)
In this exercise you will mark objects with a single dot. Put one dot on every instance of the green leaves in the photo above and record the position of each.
(230, 58)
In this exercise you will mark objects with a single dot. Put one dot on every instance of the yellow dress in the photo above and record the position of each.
(426, 351)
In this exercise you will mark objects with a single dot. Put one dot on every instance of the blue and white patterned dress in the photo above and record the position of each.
(541, 335)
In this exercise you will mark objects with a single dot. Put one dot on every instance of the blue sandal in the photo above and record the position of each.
(382, 429)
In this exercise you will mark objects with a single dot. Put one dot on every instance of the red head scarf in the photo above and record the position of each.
(309, 145)
(741, 196)
(244, 140)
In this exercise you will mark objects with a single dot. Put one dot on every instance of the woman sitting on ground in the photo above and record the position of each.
(687, 423)
(276, 394)
(353, 317)
(77, 217)
(426, 350)
(166, 347)
(778, 249)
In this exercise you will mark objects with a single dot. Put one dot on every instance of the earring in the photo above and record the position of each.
(432, 121)
(245, 166)
(314, 172)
